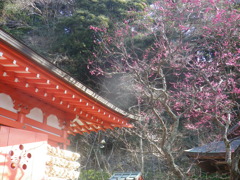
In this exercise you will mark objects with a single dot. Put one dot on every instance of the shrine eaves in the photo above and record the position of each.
(32, 81)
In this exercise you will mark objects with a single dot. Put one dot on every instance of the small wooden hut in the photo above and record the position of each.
(211, 157)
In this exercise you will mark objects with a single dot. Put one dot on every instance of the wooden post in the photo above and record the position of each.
(22, 109)
(21, 117)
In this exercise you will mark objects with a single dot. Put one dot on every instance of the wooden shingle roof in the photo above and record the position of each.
(214, 149)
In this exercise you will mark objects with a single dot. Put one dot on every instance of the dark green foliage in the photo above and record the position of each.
(76, 39)
(204, 176)
(60, 29)
(93, 175)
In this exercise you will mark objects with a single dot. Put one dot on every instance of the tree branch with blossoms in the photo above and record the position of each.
(181, 61)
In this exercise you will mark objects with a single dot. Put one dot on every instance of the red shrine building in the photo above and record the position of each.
(40, 106)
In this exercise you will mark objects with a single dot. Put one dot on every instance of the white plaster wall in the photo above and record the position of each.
(52, 120)
(36, 114)
(6, 102)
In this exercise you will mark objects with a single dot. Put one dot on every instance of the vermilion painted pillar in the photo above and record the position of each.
(22, 109)
(65, 135)
(21, 117)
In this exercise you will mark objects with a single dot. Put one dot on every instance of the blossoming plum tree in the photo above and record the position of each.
(181, 61)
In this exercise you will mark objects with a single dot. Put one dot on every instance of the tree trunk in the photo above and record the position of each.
(142, 155)
(234, 171)
(174, 168)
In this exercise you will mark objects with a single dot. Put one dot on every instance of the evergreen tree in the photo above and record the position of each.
(60, 30)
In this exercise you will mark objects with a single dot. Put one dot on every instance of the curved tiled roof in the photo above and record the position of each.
(23, 68)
